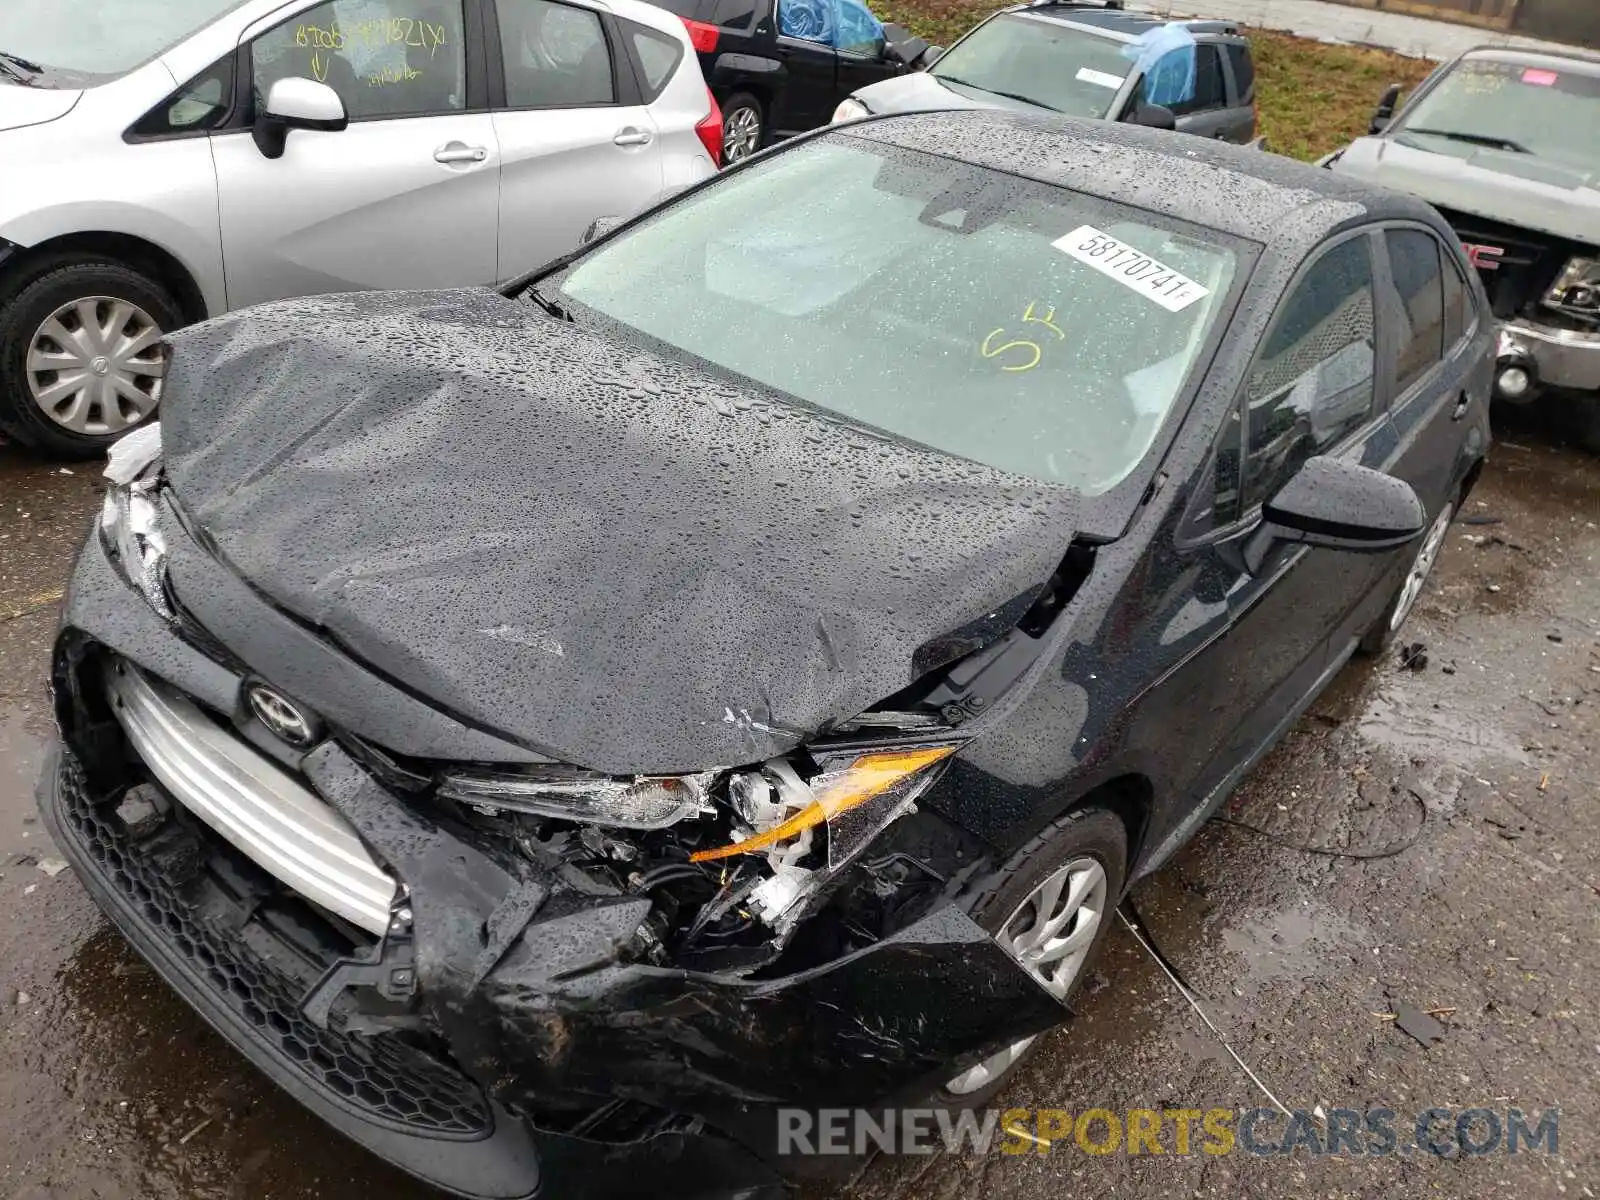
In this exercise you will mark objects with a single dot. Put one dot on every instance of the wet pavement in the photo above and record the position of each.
(1423, 836)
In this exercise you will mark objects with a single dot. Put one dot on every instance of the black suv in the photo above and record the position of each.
(771, 85)
(1086, 60)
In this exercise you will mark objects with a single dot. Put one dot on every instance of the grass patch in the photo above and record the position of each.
(1313, 97)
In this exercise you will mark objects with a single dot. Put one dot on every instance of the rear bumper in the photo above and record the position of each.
(1562, 358)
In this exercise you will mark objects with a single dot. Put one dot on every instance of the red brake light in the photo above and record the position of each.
(709, 130)
(702, 37)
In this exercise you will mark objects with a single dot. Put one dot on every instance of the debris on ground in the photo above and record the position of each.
(1554, 637)
(1482, 519)
(1422, 1026)
(1413, 656)
(1544, 781)
(23, 998)
(51, 866)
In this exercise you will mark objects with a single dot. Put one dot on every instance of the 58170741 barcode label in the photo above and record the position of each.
(1131, 267)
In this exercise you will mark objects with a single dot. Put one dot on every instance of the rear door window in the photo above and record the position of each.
(556, 56)
(1244, 71)
(1457, 308)
(1414, 262)
(734, 14)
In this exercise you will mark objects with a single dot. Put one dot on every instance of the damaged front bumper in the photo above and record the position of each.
(496, 1039)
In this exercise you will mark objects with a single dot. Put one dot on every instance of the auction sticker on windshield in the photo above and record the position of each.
(1131, 267)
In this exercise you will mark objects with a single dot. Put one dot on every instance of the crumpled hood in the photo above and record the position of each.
(610, 557)
(1518, 189)
(22, 106)
(920, 91)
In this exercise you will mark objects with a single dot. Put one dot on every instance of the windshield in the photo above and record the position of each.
(89, 42)
(1038, 60)
(1484, 102)
(1021, 325)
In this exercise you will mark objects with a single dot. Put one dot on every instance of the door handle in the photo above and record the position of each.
(1463, 406)
(631, 135)
(457, 152)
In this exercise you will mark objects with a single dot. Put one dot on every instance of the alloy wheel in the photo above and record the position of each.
(1049, 934)
(96, 365)
(741, 134)
(1422, 567)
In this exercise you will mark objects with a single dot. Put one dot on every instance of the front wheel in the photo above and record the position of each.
(83, 356)
(742, 127)
(1386, 630)
(1050, 907)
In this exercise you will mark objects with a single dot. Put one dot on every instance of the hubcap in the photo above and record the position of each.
(1422, 567)
(1049, 934)
(96, 365)
(741, 134)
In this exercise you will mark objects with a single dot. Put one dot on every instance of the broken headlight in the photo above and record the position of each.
(130, 517)
(647, 802)
(1577, 291)
(854, 794)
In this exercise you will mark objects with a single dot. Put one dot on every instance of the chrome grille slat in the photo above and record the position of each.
(259, 808)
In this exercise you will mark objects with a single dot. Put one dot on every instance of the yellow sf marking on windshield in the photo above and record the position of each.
(1048, 320)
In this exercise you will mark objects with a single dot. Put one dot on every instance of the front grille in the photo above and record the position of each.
(388, 1078)
(1528, 265)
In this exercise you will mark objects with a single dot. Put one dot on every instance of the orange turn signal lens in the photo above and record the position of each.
(870, 775)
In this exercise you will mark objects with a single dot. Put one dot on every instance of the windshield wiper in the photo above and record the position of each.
(1476, 139)
(550, 306)
(997, 92)
(19, 69)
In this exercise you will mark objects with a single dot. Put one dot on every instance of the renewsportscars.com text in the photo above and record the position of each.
(1265, 1132)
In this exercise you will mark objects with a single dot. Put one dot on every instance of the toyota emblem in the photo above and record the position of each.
(279, 714)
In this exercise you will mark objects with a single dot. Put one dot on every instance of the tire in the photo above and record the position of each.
(1386, 629)
(102, 412)
(744, 111)
(1089, 834)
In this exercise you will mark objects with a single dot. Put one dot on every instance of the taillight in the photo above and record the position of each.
(702, 37)
(709, 130)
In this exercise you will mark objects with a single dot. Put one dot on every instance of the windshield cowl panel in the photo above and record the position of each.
(1012, 323)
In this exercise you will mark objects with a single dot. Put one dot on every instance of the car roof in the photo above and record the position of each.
(1249, 193)
(1559, 59)
(1116, 22)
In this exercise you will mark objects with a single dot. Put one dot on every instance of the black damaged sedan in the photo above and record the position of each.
(744, 665)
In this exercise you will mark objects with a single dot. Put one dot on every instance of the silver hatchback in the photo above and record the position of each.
(170, 160)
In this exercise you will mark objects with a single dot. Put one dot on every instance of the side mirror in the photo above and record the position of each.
(1340, 506)
(900, 46)
(929, 56)
(1386, 107)
(598, 228)
(297, 103)
(1153, 116)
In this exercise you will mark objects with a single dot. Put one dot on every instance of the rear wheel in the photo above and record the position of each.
(743, 127)
(82, 355)
(1050, 907)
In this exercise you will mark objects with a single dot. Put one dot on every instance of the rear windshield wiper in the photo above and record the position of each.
(19, 69)
(1476, 139)
(996, 92)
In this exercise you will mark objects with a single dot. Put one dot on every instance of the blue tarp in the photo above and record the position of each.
(1166, 56)
(842, 24)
